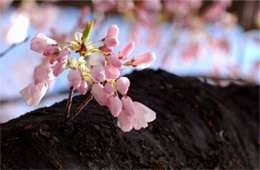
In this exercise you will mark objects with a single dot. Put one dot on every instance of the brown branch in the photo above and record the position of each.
(69, 102)
(79, 109)
(12, 46)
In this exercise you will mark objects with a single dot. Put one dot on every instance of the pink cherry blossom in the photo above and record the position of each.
(51, 49)
(143, 116)
(125, 121)
(113, 31)
(111, 42)
(109, 89)
(58, 68)
(63, 55)
(76, 81)
(123, 84)
(144, 60)
(99, 94)
(115, 105)
(126, 50)
(106, 48)
(42, 73)
(128, 105)
(32, 94)
(111, 72)
(60, 62)
(83, 88)
(98, 73)
(112, 59)
(40, 42)
(111, 39)
(74, 78)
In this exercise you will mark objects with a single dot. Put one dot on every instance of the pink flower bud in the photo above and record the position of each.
(109, 89)
(113, 31)
(112, 59)
(115, 105)
(111, 42)
(144, 60)
(83, 88)
(32, 94)
(63, 55)
(123, 84)
(111, 72)
(126, 50)
(106, 48)
(143, 116)
(76, 81)
(98, 73)
(128, 105)
(50, 49)
(125, 121)
(40, 42)
(99, 94)
(58, 68)
(74, 78)
(42, 73)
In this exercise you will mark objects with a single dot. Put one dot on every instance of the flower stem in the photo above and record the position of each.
(79, 109)
(69, 102)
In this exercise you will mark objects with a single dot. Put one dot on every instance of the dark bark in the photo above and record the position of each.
(197, 126)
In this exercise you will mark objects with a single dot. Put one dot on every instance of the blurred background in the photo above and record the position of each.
(214, 40)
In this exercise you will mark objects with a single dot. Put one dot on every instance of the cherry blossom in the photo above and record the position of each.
(103, 78)
(32, 94)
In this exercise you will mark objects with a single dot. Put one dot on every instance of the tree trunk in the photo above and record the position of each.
(197, 126)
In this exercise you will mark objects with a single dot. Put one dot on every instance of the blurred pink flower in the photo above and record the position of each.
(32, 94)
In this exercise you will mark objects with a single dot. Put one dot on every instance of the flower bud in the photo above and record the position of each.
(126, 50)
(32, 94)
(144, 60)
(113, 31)
(123, 84)
(42, 73)
(115, 105)
(40, 42)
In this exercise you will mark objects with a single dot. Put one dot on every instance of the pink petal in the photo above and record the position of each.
(42, 73)
(115, 105)
(50, 49)
(63, 55)
(111, 72)
(99, 94)
(109, 89)
(111, 42)
(113, 31)
(128, 105)
(126, 50)
(74, 78)
(106, 48)
(58, 68)
(125, 122)
(40, 42)
(83, 88)
(143, 116)
(98, 73)
(144, 60)
(123, 84)
(112, 59)
(32, 94)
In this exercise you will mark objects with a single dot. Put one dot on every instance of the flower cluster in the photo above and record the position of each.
(102, 76)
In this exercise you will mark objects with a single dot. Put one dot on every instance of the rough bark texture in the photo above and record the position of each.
(197, 126)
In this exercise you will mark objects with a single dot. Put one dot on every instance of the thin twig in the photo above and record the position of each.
(12, 46)
(69, 102)
(79, 109)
